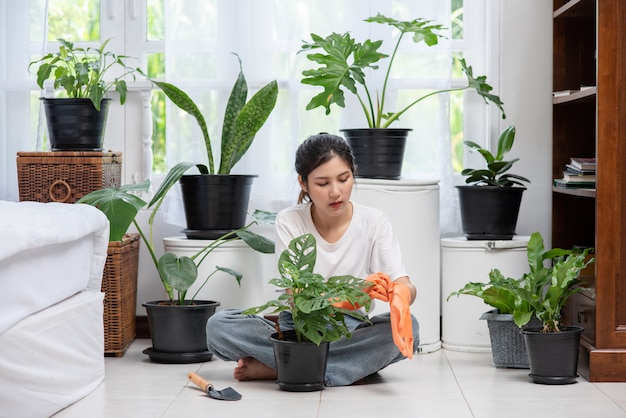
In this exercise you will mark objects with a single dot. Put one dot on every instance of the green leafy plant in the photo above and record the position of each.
(310, 298)
(542, 292)
(242, 119)
(81, 71)
(499, 293)
(547, 289)
(344, 61)
(495, 174)
(177, 274)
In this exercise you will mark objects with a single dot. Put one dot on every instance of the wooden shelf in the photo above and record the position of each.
(575, 8)
(575, 192)
(586, 94)
(589, 49)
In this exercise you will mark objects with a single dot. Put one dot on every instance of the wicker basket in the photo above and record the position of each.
(119, 284)
(66, 176)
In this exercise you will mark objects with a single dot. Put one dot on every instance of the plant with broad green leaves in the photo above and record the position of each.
(344, 61)
(495, 174)
(81, 71)
(242, 119)
(542, 292)
(310, 298)
(177, 274)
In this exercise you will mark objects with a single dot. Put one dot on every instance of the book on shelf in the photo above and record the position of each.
(577, 178)
(574, 185)
(583, 163)
(570, 169)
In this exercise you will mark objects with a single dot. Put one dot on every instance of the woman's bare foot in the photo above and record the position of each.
(249, 368)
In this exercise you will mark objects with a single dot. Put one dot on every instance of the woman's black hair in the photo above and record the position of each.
(317, 150)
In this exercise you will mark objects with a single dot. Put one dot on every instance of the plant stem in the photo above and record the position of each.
(397, 115)
(384, 91)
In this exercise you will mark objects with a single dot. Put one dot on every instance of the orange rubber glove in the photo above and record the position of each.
(401, 323)
(399, 298)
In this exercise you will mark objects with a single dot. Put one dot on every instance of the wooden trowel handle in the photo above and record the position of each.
(199, 381)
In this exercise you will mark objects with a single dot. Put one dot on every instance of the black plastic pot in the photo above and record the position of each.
(489, 212)
(378, 153)
(301, 366)
(75, 124)
(178, 332)
(215, 204)
(553, 356)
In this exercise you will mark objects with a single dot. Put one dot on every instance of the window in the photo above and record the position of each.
(190, 44)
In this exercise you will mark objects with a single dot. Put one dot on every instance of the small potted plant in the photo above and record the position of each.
(491, 200)
(313, 302)
(378, 149)
(216, 201)
(540, 295)
(507, 343)
(77, 122)
(174, 323)
(552, 347)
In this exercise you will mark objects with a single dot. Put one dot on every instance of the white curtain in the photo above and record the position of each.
(266, 34)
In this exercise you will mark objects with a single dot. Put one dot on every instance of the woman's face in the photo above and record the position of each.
(330, 186)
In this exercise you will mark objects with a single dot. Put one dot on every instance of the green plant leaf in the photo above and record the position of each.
(256, 241)
(236, 102)
(178, 272)
(185, 103)
(249, 121)
(119, 205)
(301, 253)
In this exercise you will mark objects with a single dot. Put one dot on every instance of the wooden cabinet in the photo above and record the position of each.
(590, 51)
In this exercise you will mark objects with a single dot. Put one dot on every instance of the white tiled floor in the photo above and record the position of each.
(444, 383)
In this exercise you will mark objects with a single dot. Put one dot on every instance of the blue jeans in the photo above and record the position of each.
(231, 336)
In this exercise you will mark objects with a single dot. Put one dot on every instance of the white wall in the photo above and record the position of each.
(525, 49)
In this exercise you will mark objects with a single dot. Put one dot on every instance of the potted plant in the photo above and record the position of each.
(313, 302)
(490, 201)
(378, 150)
(552, 347)
(507, 343)
(177, 325)
(216, 201)
(78, 121)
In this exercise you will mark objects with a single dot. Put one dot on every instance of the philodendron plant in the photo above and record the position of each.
(496, 171)
(177, 274)
(242, 120)
(81, 71)
(311, 298)
(344, 61)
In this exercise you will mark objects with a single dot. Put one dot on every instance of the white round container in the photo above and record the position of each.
(222, 287)
(413, 209)
(464, 261)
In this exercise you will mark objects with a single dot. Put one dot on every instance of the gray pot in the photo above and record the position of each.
(507, 341)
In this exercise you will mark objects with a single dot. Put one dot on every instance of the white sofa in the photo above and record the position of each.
(52, 256)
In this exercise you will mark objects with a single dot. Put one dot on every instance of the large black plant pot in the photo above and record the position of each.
(553, 356)
(215, 204)
(378, 153)
(178, 332)
(301, 366)
(489, 212)
(75, 124)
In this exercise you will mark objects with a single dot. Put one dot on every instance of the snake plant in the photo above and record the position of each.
(242, 119)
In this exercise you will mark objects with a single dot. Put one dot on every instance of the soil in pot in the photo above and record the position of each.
(301, 366)
(215, 204)
(178, 332)
(378, 153)
(553, 356)
(75, 124)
